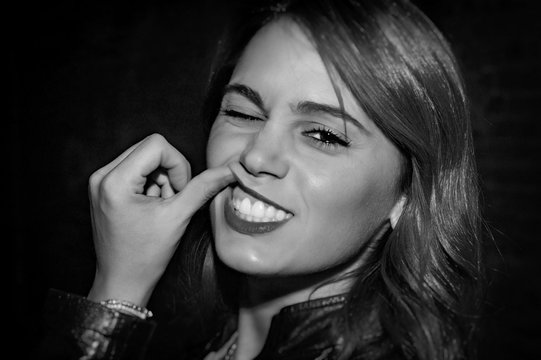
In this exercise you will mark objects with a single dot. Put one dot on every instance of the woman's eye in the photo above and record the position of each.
(240, 115)
(327, 138)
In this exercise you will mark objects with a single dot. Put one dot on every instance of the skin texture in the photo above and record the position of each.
(339, 195)
(137, 227)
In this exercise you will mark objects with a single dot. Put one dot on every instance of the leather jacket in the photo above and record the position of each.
(78, 328)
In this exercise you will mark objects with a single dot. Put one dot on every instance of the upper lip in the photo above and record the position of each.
(257, 195)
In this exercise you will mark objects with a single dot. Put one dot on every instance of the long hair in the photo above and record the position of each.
(419, 289)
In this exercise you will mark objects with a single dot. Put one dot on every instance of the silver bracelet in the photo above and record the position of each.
(127, 308)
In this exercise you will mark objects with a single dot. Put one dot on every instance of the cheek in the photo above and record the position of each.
(345, 214)
(214, 155)
(341, 224)
(225, 144)
(221, 147)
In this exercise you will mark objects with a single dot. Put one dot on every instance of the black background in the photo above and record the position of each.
(88, 79)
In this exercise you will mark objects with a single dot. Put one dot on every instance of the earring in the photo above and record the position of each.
(396, 211)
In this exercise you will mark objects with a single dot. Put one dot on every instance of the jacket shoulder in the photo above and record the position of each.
(75, 327)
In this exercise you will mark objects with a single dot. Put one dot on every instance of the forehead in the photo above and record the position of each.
(282, 63)
(282, 39)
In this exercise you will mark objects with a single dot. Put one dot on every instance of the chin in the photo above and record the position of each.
(240, 255)
(252, 255)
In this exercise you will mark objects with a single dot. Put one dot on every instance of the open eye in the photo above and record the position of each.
(326, 138)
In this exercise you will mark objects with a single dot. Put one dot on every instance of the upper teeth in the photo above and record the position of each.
(258, 211)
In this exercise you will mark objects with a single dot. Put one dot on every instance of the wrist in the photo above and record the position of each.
(136, 294)
(127, 308)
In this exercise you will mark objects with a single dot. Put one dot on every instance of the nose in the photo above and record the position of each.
(266, 153)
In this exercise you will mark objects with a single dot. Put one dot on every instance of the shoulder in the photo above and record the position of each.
(88, 328)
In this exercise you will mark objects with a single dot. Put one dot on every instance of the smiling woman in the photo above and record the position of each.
(281, 121)
(340, 193)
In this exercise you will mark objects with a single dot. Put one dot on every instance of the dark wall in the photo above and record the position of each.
(89, 79)
(498, 43)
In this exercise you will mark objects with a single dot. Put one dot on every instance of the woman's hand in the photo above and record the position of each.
(141, 204)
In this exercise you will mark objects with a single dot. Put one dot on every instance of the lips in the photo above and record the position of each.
(248, 212)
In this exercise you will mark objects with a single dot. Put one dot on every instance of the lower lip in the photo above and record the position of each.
(246, 227)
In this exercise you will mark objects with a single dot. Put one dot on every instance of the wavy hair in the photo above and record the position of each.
(418, 292)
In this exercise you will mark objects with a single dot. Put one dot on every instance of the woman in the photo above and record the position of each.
(341, 192)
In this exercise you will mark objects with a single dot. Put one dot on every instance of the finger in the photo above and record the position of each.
(153, 190)
(152, 153)
(202, 188)
(167, 191)
(161, 178)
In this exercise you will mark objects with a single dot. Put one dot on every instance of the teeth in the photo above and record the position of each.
(259, 211)
(270, 212)
(245, 206)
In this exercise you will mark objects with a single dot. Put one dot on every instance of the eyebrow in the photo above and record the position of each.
(248, 93)
(303, 107)
(310, 107)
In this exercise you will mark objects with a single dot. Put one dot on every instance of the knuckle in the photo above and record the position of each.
(187, 165)
(94, 180)
(157, 139)
(107, 187)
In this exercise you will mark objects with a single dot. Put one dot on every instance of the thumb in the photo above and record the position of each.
(201, 189)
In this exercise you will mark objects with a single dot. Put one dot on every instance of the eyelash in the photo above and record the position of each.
(333, 139)
(236, 114)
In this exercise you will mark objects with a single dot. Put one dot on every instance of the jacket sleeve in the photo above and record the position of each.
(77, 328)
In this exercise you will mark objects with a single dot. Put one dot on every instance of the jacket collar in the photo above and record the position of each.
(303, 330)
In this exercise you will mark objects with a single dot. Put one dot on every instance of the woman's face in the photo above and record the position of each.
(314, 183)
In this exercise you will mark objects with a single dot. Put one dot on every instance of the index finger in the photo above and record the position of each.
(201, 189)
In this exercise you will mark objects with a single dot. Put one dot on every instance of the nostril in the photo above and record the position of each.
(263, 163)
(254, 163)
(243, 163)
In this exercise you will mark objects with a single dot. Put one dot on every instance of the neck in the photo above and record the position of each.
(262, 298)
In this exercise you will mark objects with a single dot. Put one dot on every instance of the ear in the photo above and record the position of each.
(396, 211)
